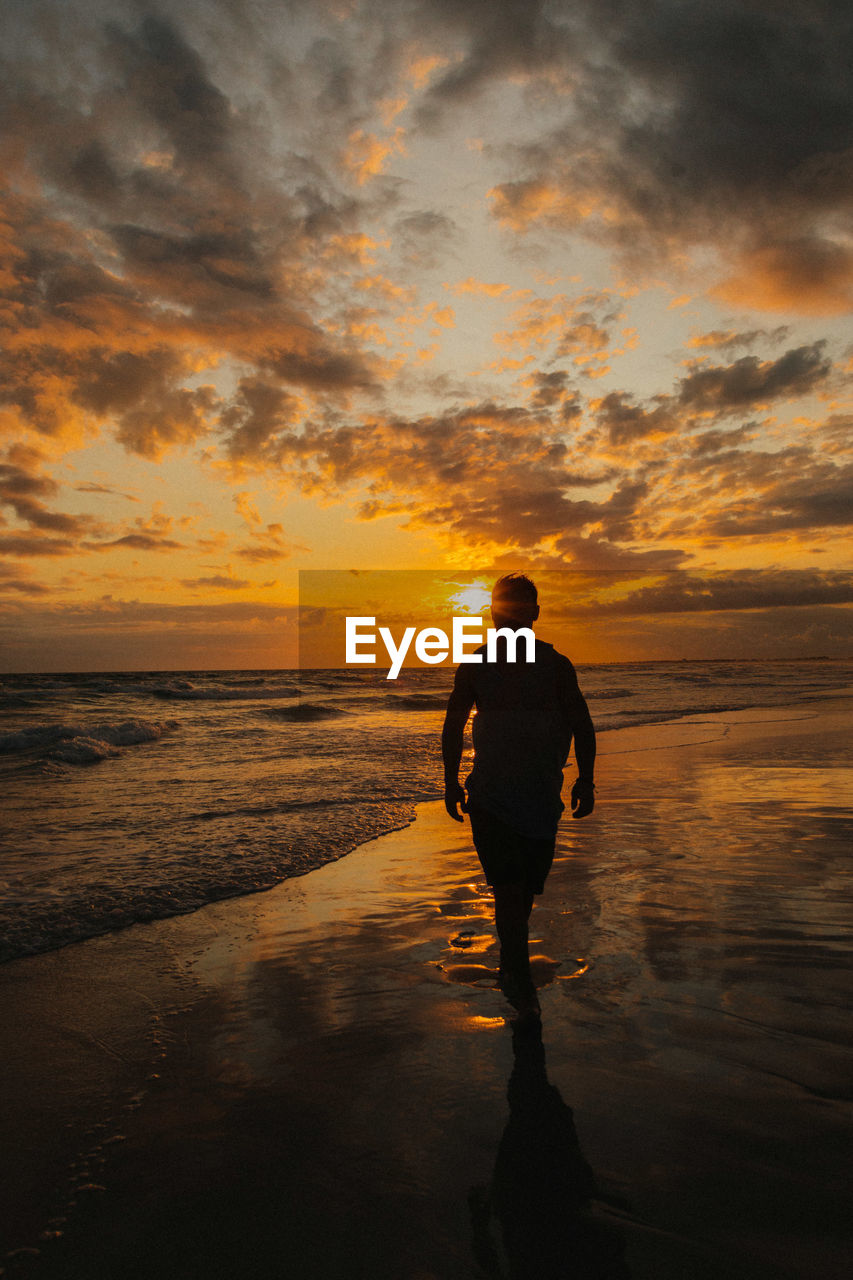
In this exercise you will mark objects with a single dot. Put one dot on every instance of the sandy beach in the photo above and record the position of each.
(323, 1081)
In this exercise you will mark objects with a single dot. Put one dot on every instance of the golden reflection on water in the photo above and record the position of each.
(472, 944)
(800, 785)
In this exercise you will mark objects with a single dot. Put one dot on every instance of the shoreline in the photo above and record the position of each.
(346, 1020)
(664, 731)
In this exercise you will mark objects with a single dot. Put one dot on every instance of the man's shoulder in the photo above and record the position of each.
(545, 651)
(553, 655)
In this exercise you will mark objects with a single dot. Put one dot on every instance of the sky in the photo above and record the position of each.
(450, 285)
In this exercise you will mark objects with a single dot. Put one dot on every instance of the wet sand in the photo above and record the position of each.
(324, 1081)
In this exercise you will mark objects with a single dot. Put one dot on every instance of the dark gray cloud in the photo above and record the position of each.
(168, 214)
(716, 442)
(153, 232)
(23, 492)
(91, 487)
(216, 582)
(426, 238)
(487, 473)
(197, 269)
(29, 544)
(624, 421)
(751, 381)
(686, 592)
(550, 387)
(137, 542)
(689, 123)
(257, 412)
(13, 580)
(745, 384)
(147, 635)
(501, 40)
(261, 554)
(818, 498)
(170, 83)
(729, 340)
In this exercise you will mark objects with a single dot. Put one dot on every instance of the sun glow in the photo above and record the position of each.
(474, 599)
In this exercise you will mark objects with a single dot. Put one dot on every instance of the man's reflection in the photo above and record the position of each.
(534, 1220)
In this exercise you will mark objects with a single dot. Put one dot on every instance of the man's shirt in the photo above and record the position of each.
(526, 714)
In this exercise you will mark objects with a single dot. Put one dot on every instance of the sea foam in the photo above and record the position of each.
(81, 744)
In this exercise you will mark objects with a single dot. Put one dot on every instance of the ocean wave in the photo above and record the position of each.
(31, 925)
(304, 712)
(417, 701)
(81, 744)
(185, 690)
(264, 782)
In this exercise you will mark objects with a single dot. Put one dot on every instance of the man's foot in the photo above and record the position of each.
(521, 994)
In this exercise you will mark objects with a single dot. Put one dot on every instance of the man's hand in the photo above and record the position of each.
(454, 800)
(583, 798)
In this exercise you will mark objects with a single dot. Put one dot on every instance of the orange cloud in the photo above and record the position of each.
(386, 288)
(577, 327)
(477, 287)
(807, 276)
(357, 246)
(444, 317)
(518, 205)
(390, 108)
(423, 67)
(366, 154)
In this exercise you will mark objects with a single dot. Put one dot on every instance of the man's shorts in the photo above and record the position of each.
(507, 857)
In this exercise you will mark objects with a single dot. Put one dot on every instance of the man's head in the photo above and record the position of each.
(514, 601)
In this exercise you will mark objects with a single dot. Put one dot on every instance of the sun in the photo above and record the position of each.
(474, 599)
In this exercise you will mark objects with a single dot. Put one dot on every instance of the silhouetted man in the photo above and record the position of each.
(527, 713)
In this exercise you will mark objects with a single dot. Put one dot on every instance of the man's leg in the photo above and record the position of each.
(513, 904)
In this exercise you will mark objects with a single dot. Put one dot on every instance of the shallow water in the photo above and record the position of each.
(362, 1088)
(132, 797)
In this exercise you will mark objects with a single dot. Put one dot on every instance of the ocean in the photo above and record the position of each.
(131, 797)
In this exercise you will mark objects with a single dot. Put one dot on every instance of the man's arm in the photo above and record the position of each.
(459, 706)
(577, 713)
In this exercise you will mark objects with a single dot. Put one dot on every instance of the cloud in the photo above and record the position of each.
(148, 235)
(747, 383)
(258, 411)
(471, 285)
(514, 38)
(688, 125)
(217, 582)
(715, 442)
(750, 381)
(552, 389)
(91, 487)
(268, 544)
(817, 498)
(26, 544)
(484, 475)
(366, 154)
(686, 592)
(148, 636)
(13, 580)
(23, 490)
(137, 542)
(170, 84)
(203, 242)
(730, 340)
(809, 275)
(625, 421)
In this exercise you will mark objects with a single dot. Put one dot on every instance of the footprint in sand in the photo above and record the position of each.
(471, 974)
(543, 971)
